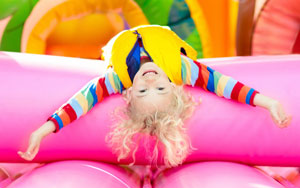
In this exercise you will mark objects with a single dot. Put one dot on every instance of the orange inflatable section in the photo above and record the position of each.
(221, 19)
(84, 37)
(77, 28)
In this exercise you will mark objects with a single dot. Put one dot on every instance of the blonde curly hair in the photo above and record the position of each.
(166, 127)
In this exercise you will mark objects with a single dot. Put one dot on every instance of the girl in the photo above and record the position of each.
(148, 64)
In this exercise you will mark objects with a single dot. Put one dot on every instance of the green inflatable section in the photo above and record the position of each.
(176, 15)
(19, 10)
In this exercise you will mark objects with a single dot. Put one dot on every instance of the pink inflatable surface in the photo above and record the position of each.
(214, 175)
(78, 174)
(34, 86)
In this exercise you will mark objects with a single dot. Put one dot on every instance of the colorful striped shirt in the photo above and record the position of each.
(193, 73)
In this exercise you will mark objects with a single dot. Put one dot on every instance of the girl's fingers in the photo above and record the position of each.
(33, 148)
(35, 151)
(283, 116)
(23, 155)
(30, 148)
(286, 122)
(20, 153)
(275, 121)
(275, 117)
(30, 153)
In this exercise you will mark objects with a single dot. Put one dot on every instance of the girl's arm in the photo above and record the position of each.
(197, 74)
(200, 75)
(82, 102)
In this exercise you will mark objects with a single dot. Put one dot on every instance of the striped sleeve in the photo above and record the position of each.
(196, 74)
(85, 99)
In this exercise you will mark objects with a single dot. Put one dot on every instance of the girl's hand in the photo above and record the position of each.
(278, 115)
(33, 147)
(280, 118)
(35, 140)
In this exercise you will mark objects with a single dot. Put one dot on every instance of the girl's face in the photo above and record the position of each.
(151, 89)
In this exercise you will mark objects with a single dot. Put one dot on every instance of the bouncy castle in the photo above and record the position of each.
(49, 49)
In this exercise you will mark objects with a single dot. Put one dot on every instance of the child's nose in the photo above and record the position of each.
(151, 77)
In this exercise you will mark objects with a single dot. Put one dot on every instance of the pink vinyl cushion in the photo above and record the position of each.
(77, 174)
(34, 86)
(214, 175)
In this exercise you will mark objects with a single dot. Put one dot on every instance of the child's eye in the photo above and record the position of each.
(142, 90)
(161, 88)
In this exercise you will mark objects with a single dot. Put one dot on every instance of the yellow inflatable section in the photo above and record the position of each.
(75, 27)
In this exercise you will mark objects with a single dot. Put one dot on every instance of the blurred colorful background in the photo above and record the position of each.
(221, 28)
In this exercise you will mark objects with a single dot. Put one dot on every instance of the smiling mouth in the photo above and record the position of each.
(150, 71)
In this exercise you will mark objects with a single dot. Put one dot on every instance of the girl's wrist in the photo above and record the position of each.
(264, 101)
(272, 103)
(46, 129)
(268, 103)
(37, 134)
